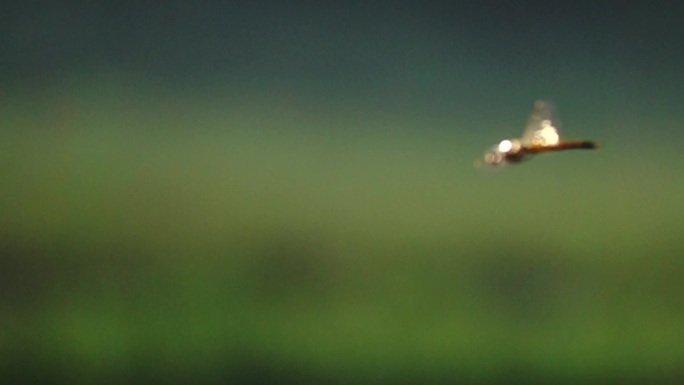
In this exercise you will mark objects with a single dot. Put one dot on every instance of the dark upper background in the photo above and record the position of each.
(611, 56)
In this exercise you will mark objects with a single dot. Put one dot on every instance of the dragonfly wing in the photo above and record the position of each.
(543, 125)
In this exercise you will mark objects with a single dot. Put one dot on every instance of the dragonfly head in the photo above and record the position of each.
(508, 150)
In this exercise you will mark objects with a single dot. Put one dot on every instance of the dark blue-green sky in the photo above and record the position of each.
(464, 54)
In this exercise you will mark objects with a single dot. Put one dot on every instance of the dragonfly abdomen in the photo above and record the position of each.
(563, 145)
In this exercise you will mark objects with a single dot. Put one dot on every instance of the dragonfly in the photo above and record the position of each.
(541, 135)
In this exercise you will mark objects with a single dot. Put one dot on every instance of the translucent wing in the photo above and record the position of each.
(542, 126)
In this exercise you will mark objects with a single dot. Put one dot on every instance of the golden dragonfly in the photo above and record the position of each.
(541, 135)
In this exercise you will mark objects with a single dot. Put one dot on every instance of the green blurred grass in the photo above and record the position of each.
(271, 240)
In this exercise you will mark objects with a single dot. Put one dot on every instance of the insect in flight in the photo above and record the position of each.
(540, 135)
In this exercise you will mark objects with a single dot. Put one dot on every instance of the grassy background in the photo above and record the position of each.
(150, 235)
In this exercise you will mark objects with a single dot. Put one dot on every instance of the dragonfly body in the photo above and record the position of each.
(541, 135)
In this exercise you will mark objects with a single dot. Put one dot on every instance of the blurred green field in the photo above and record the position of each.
(146, 237)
